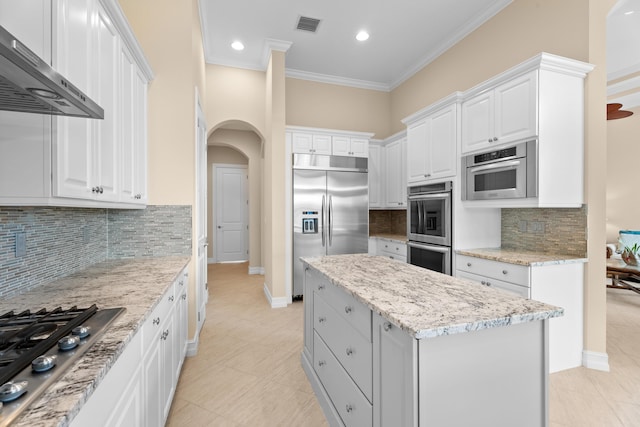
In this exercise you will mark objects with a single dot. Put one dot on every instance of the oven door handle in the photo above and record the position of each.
(440, 249)
(496, 166)
(430, 196)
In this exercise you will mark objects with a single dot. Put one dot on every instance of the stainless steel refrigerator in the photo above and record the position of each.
(330, 209)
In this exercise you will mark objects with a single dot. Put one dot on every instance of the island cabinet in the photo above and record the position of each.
(553, 279)
(391, 344)
(139, 387)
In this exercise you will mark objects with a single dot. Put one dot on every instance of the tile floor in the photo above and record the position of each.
(247, 371)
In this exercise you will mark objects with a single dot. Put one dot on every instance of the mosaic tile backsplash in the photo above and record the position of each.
(557, 231)
(60, 241)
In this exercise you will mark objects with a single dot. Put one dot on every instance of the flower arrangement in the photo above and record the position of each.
(630, 254)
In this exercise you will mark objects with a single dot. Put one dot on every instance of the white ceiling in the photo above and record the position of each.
(405, 36)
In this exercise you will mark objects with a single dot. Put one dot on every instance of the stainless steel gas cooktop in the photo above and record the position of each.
(37, 347)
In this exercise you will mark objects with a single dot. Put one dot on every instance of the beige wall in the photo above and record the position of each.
(238, 147)
(163, 32)
(623, 181)
(332, 106)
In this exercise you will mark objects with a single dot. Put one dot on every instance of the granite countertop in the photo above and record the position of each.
(520, 257)
(425, 303)
(136, 284)
(390, 236)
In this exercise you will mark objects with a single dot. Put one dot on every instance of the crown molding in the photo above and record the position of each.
(271, 45)
(342, 81)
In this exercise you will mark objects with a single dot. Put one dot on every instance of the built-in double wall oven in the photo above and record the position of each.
(429, 229)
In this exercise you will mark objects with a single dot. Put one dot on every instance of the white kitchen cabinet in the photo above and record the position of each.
(352, 147)
(432, 141)
(391, 248)
(557, 283)
(306, 140)
(395, 372)
(504, 114)
(376, 169)
(68, 161)
(395, 174)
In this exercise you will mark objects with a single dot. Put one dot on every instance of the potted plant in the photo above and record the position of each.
(630, 254)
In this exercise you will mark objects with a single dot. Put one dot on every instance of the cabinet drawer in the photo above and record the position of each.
(350, 403)
(518, 274)
(522, 291)
(352, 349)
(353, 311)
(152, 326)
(392, 247)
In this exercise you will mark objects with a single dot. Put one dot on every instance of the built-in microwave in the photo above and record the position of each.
(506, 173)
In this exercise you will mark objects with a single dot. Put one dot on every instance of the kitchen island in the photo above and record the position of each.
(391, 344)
(138, 285)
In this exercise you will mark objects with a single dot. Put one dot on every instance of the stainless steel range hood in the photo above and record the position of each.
(30, 85)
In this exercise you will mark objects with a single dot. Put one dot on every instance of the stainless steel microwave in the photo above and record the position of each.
(506, 173)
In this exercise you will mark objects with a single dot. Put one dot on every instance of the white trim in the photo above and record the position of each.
(327, 132)
(342, 81)
(623, 86)
(444, 102)
(628, 101)
(288, 219)
(623, 72)
(280, 302)
(192, 347)
(595, 360)
(271, 45)
(256, 270)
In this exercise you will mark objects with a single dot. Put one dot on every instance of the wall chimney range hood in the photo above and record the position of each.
(30, 85)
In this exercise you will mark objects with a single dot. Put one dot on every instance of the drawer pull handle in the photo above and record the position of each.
(504, 271)
(349, 351)
(347, 309)
(322, 363)
(468, 264)
(171, 298)
(156, 321)
(349, 408)
(386, 326)
(488, 283)
(321, 319)
(320, 287)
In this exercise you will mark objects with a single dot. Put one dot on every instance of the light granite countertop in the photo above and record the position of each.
(390, 236)
(136, 284)
(425, 303)
(520, 257)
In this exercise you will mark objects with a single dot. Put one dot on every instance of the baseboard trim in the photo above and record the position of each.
(280, 302)
(211, 260)
(595, 360)
(256, 270)
(192, 347)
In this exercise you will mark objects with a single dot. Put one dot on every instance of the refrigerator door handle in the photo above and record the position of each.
(322, 221)
(330, 223)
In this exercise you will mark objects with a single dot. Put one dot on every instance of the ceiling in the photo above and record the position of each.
(405, 35)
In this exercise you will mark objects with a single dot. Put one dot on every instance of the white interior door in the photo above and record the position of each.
(202, 295)
(231, 203)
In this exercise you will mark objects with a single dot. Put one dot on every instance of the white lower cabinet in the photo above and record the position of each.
(390, 248)
(559, 284)
(149, 366)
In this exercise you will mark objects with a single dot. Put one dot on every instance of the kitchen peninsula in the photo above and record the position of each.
(388, 343)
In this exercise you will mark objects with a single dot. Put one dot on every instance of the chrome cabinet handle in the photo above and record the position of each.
(504, 271)
(468, 264)
(184, 296)
(349, 351)
(322, 319)
(348, 309)
(320, 287)
(321, 363)
(495, 138)
(386, 326)
(156, 321)
(171, 298)
(349, 408)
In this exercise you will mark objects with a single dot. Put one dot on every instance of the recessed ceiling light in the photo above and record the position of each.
(362, 36)
(237, 45)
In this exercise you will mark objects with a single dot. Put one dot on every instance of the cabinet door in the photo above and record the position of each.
(359, 147)
(417, 161)
(128, 410)
(74, 136)
(126, 120)
(341, 146)
(516, 108)
(393, 166)
(106, 150)
(395, 375)
(153, 380)
(322, 144)
(140, 137)
(442, 144)
(477, 122)
(302, 142)
(169, 350)
(376, 199)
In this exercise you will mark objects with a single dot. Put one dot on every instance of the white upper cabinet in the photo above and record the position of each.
(432, 141)
(329, 142)
(395, 157)
(376, 191)
(501, 115)
(70, 161)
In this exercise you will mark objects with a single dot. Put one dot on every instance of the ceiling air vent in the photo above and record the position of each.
(307, 24)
